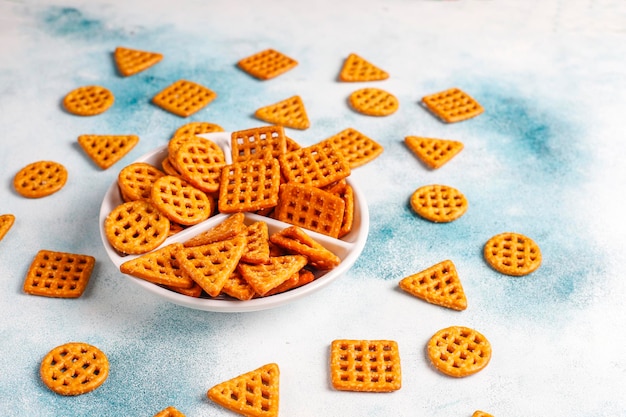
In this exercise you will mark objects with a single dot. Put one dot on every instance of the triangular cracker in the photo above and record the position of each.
(264, 277)
(227, 229)
(211, 265)
(258, 248)
(6, 222)
(237, 287)
(438, 285)
(106, 150)
(297, 241)
(432, 151)
(288, 113)
(159, 267)
(355, 68)
(253, 394)
(131, 61)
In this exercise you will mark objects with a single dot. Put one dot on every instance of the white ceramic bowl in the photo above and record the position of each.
(347, 248)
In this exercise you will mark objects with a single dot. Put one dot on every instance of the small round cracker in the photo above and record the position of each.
(373, 102)
(40, 179)
(512, 254)
(181, 202)
(459, 351)
(74, 368)
(439, 203)
(89, 100)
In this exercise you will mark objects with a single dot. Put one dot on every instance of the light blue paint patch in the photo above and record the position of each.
(70, 21)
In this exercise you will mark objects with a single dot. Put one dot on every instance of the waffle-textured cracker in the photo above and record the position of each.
(88, 100)
(189, 131)
(184, 98)
(74, 368)
(257, 247)
(311, 208)
(228, 229)
(58, 274)
(512, 254)
(253, 394)
(249, 186)
(433, 152)
(356, 148)
(159, 267)
(132, 61)
(258, 143)
(317, 165)
(267, 64)
(355, 68)
(439, 284)
(459, 351)
(452, 105)
(263, 277)
(40, 179)
(181, 202)
(106, 150)
(200, 161)
(288, 113)
(365, 365)
(237, 287)
(297, 241)
(374, 102)
(6, 222)
(439, 203)
(135, 180)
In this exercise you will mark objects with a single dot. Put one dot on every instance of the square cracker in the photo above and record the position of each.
(58, 274)
(184, 98)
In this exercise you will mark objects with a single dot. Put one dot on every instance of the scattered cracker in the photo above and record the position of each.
(253, 394)
(169, 412)
(289, 113)
(433, 152)
(88, 100)
(74, 368)
(439, 285)
(58, 274)
(439, 203)
(6, 222)
(512, 254)
(452, 105)
(355, 68)
(40, 179)
(459, 351)
(267, 64)
(356, 148)
(106, 150)
(373, 102)
(365, 365)
(132, 61)
(159, 267)
(184, 98)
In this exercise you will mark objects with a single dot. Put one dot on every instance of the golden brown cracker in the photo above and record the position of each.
(169, 412)
(6, 222)
(439, 203)
(58, 274)
(257, 246)
(297, 241)
(438, 284)
(373, 102)
(258, 143)
(40, 179)
(459, 351)
(432, 151)
(356, 148)
(135, 180)
(88, 100)
(317, 165)
(132, 61)
(106, 150)
(181, 202)
(452, 105)
(200, 162)
(512, 254)
(267, 64)
(227, 229)
(184, 98)
(263, 277)
(249, 186)
(288, 113)
(355, 68)
(159, 267)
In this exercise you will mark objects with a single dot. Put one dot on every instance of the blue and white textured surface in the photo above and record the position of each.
(545, 160)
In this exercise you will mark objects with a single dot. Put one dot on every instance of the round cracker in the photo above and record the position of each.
(459, 351)
(40, 179)
(89, 100)
(512, 254)
(373, 102)
(439, 203)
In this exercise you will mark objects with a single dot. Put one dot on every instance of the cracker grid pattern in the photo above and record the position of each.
(136, 180)
(317, 165)
(512, 254)
(355, 68)
(184, 98)
(438, 285)
(452, 105)
(58, 274)
(267, 64)
(459, 351)
(106, 150)
(439, 203)
(179, 201)
(40, 179)
(373, 102)
(433, 152)
(88, 100)
(356, 148)
(200, 162)
(249, 186)
(365, 365)
(289, 113)
(159, 267)
(261, 142)
(132, 61)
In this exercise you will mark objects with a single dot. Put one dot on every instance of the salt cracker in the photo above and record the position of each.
(136, 227)
(227, 229)
(135, 180)
(311, 208)
(200, 162)
(184, 98)
(159, 267)
(132, 61)
(433, 152)
(264, 277)
(6, 222)
(257, 246)
(249, 186)
(297, 241)
(237, 287)
(88, 100)
(303, 277)
(512, 254)
(267, 64)
(355, 68)
(211, 265)
(373, 102)
(479, 413)
(258, 143)
(253, 394)
(439, 285)
(58, 274)
(459, 351)
(356, 148)
(169, 412)
(288, 113)
(106, 150)
(365, 365)
(452, 105)
(317, 165)
(181, 202)
(74, 368)
(439, 203)
(40, 179)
